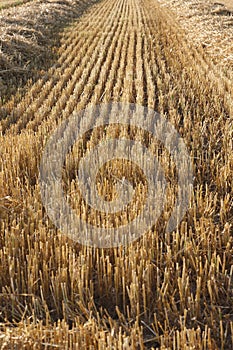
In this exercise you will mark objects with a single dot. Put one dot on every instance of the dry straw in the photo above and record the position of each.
(163, 291)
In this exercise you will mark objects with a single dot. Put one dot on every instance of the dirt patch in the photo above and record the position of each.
(207, 23)
(29, 35)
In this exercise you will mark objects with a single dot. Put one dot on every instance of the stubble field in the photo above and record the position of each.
(163, 291)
